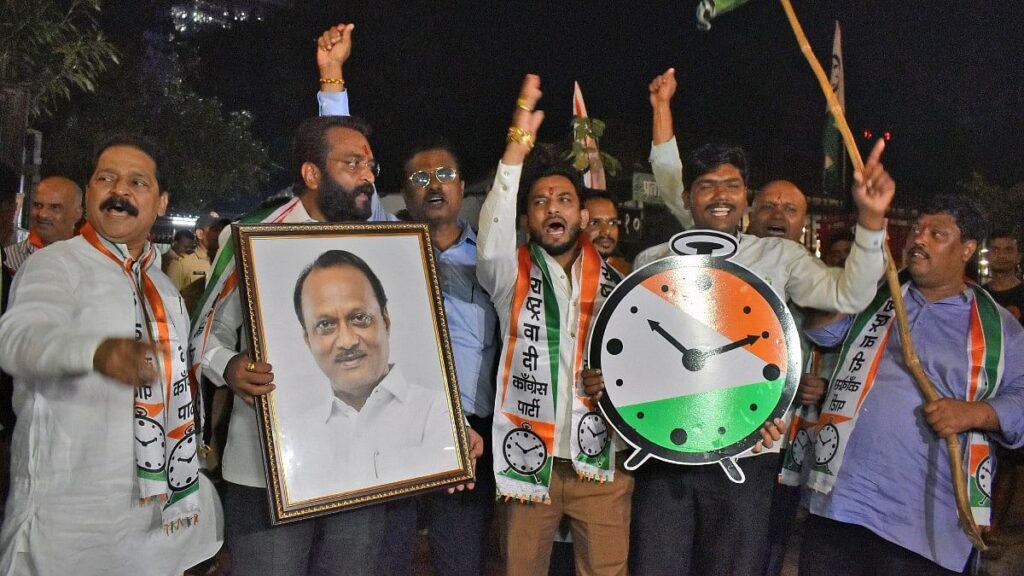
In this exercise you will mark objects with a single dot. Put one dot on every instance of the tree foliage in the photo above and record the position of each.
(52, 47)
(211, 158)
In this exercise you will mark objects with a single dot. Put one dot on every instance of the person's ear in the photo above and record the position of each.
(387, 320)
(310, 175)
(970, 247)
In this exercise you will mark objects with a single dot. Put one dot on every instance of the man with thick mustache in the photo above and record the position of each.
(882, 499)
(722, 527)
(333, 171)
(105, 471)
(56, 208)
(546, 294)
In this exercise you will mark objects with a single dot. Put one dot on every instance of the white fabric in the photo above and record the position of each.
(668, 175)
(497, 270)
(73, 507)
(403, 431)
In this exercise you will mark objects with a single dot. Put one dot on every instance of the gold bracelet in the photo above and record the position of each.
(520, 136)
(337, 81)
(523, 104)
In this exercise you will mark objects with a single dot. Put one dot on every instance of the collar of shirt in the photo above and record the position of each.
(394, 384)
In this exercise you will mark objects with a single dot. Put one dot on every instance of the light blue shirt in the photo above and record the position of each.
(895, 479)
(472, 324)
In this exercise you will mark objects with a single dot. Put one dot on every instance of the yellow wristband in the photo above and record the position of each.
(337, 81)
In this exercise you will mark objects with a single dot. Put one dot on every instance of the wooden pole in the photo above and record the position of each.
(909, 354)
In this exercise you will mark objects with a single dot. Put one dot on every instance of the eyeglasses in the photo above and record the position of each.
(614, 222)
(354, 166)
(444, 175)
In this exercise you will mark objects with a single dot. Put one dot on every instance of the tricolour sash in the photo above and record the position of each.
(166, 465)
(855, 375)
(526, 405)
(222, 281)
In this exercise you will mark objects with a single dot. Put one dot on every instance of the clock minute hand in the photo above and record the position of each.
(656, 327)
(750, 339)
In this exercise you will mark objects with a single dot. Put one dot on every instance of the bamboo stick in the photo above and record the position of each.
(926, 387)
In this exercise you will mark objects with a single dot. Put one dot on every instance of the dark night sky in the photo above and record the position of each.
(944, 77)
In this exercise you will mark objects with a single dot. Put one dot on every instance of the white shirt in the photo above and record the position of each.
(403, 431)
(497, 271)
(73, 507)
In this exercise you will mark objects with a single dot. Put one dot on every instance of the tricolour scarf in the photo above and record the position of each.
(222, 281)
(528, 397)
(166, 440)
(855, 375)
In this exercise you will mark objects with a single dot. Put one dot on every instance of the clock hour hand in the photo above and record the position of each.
(656, 327)
(750, 339)
(694, 359)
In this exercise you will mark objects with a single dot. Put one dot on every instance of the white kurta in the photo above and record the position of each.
(72, 507)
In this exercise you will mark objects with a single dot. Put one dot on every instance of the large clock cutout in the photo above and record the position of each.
(697, 353)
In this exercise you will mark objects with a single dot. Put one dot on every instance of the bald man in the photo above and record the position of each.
(55, 209)
(779, 209)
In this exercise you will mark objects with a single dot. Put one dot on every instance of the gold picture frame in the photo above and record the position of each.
(334, 434)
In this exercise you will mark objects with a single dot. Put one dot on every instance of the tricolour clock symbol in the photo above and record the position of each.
(524, 451)
(592, 433)
(827, 444)
(697, 353)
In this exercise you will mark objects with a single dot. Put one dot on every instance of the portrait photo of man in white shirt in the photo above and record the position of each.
(367, 425)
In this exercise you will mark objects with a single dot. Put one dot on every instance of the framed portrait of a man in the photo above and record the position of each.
(366, 404)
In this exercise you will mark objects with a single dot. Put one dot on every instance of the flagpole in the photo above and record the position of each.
(909, 354)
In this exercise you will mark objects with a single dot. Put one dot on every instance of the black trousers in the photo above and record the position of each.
(694, 520)
(841, 549)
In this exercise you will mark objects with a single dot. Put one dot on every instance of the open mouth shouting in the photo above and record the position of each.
(435, 198)
(555, 228)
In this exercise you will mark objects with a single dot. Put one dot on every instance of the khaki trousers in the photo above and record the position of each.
(598, 516)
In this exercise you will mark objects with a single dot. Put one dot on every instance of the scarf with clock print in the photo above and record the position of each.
(855, 374)
(524, 422)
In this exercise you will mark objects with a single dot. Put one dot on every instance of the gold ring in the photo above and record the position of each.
(523, 104)
(250, 367)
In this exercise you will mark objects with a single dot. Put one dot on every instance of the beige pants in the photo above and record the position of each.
(598, 515)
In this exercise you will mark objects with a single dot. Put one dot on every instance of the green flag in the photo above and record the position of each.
(832, 140)
(709, 9)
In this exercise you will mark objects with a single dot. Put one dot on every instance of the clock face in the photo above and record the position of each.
(148, 432)
(983, 475)
(180, 474)
(592, 433)
(524, 451)
(697, 353)
(827, 444)
(800, 445)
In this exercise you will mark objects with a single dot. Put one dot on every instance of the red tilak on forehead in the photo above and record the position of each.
(366, 150)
